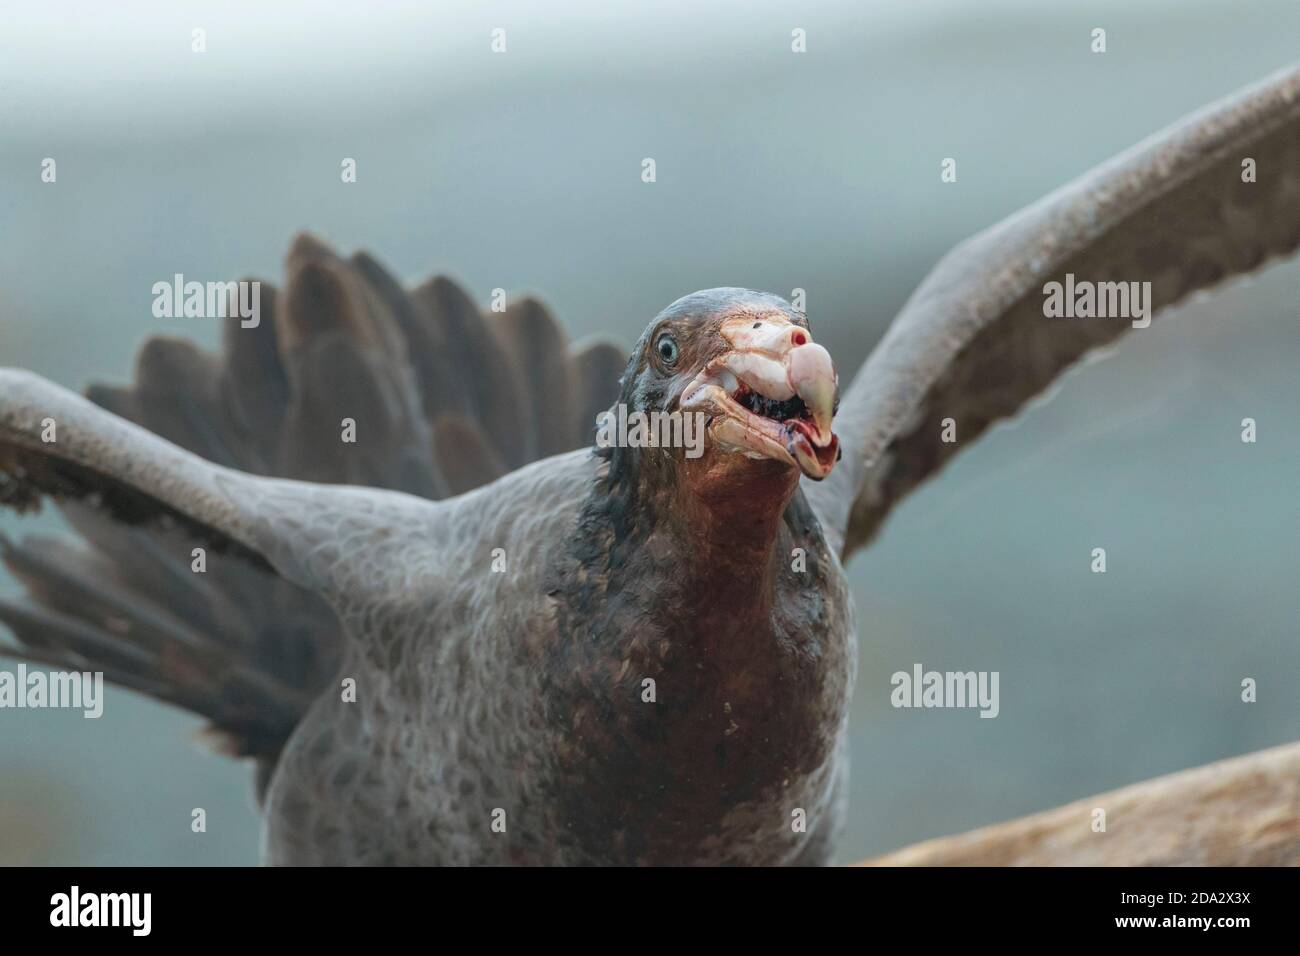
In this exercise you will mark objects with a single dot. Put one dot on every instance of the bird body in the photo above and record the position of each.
(523, 690)
(601, 658)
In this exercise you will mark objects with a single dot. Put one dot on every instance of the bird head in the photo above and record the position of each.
(745, 367)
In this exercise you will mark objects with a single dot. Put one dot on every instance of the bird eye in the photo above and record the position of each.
(667, 348)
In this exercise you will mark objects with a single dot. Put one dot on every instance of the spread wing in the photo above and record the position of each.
(1179, 210)
(133, 605)
(197, 452)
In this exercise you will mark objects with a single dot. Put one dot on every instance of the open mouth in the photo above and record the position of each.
(779, 411)
(745, 420)
(803, 441)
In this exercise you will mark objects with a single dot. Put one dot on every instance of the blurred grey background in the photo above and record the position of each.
(775, 171)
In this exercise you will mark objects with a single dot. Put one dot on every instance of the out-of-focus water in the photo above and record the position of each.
(775, 171)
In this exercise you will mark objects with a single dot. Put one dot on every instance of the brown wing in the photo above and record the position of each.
(445, 398)
(973, 343)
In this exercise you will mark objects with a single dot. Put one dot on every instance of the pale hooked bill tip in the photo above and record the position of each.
(812, 376)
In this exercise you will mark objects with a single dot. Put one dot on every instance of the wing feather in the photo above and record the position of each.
(973, 344)
(435, 389)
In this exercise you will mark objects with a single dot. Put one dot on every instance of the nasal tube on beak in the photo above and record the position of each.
(811, 374)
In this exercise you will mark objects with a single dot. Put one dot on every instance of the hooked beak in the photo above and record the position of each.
(772, 394)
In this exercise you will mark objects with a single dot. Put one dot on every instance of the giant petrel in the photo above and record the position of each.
(468, 636)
